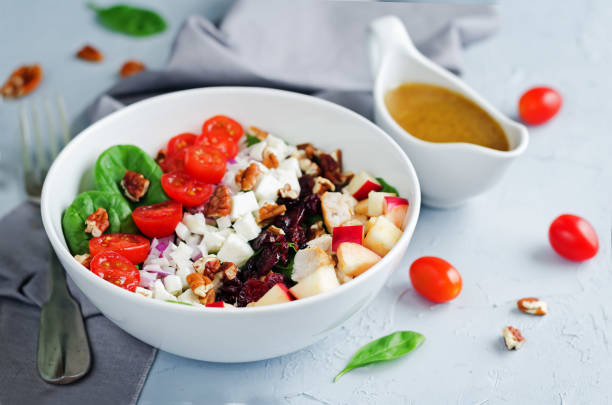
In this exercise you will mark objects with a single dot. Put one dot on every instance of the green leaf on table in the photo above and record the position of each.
(386, 187)
(252, 140)
(129, 20)
(385, 348)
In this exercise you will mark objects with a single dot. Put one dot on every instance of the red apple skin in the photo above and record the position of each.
(352, 233)
(283, 287)
(365, 189)
(392, 202)
(395, 209)
(216, 304)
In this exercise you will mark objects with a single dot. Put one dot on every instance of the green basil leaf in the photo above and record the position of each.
(134, 21)
(386, 187)
(73, 220)
(385, 348)
(252, 140)
(112, 164)
(179, 302)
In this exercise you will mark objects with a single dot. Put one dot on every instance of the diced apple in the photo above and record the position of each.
(351, 233)
(369, 224)
(361, 184)
(354, 259)
(275, 295)
(382, 236)
(323, 279)
(375, 202)
(395, 209)
(362, 207)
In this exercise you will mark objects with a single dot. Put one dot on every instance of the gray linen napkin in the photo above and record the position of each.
(302, 45)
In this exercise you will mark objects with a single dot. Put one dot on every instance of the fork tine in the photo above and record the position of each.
(25, 144)
(63, 121)
(51, 130)
(42, 163)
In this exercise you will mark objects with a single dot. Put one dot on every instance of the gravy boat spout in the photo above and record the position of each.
(449, 173)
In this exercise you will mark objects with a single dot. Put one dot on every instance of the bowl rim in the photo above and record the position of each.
(57, 238)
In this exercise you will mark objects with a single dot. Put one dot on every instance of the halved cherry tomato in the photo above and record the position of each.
(185, 189)
(158, 220)
(219, 141)
(435, 279)
(205, 163)
(114, 268)
(180, 141)
(220, 124)
(135, 248)
(573, 238)
(173, 163)
(539, 104)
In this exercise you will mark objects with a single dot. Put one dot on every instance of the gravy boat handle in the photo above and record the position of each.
(384, 35)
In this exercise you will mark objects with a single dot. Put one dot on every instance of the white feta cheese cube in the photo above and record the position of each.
(193, 240)
(235, 250)
(144, 292)
(160, 293)
(195, 222)
(189, 297)
(182, 252)
(256, 151)
(243, 203)
(184, 269)
(268, 187)
(226, 232)
(213, 241)
(287, 177)
(277, 146)
(182, 231)
(173, 284)
(291, 165)
(224, 222)
(246, 227)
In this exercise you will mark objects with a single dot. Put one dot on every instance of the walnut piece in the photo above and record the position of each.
(270, 211)
(269, 159)
(84, 259)
(322, 185)
(199, 284)
(247, 178)
(512, 338)
(135, 185)
(317, 229)
(97, 222)
(288, 192)
(532, 306)
(220, 203)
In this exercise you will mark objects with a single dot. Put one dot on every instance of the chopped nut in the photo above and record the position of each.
(322, 185)
(207, 266)
(317, 229)
(275, 230)
(22, 81)
(247, 178)
(199, 284)
(288, 192)
(84, 259)
(97, 222)
(269, 159)
(308, 149)
(309, 167)
(209, 298)
(89, 53)
(229, 270)
(512, 338)
(220, 203)
(532, 306)
(131, 67)
(270, 211)
(257, 133)
(135, 185)
(337, 155)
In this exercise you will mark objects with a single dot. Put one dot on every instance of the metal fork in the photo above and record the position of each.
(63, 354)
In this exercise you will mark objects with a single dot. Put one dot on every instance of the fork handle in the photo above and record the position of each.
(59, 287)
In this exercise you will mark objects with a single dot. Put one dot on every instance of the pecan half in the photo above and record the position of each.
(84, 259)
(257, 133)
(270, 211)
(322, 185)
(207, 266)
(220, 203)
(269, 159)
(90, 54)
(135, 185)
(288, 192)
(247, 178)
(512, 338)
(22, 81)
(131, 67)
(532, 306)
(199, 284)
(97, 222)
(229, 270)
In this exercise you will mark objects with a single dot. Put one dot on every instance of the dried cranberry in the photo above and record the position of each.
(312, 204)
(272, 255)
(230, 290)
(306, 185)
(266, 238)
(297, 236)
(273, 278)
(249, 270)
(252, 291)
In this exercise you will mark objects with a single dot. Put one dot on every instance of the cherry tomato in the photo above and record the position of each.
(114, 268)
(220, 124)
(435, 279)
(135, 248)
(158, 220)
(205, 164)
(173, 163)
(183, 188)
(573, 238)
(539, 104)
(180, 141)
(219, 141)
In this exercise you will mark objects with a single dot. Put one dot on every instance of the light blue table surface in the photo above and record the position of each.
(498, 242)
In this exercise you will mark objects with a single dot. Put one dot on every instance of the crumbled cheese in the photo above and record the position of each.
(213, 241)
(160, 293)
(173, 284)
(243, 203)
(292, 165)
(235, 250)
(246, 227)
(224, 222)
(189, 297)
(195, 222)
(268, 187)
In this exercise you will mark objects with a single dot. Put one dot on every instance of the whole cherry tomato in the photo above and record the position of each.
(158, 220)
(219, 141)
(205, 164)
(114, 268)
(539, 104)
(573, 238)
(183, 188)
(220, 124)
(180, 141)
(435, 279)
(135, 248)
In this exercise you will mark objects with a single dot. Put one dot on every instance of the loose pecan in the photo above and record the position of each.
(247, 178)
(288, 192)
(97, 222)
(220, 203)
(90, 54)
(84, 259)
(131, 67)
(135, 185)
(229, 270)
(257, 133)
(322, 185)
(22, 81)
(199, 284)
(269, 159)
(532, 306)
(207, 266)
(512, 338)
(270, 211)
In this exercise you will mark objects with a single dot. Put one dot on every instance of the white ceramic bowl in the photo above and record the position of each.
(241, 334)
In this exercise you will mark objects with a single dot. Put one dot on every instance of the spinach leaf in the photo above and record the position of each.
(313, 219)
(73, 221)
(134, 21)
(252, 140)
(285, 270)
(386, 187)
(385, 348)
(112, 164)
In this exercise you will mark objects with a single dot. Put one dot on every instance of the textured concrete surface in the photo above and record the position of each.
(498, 242)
